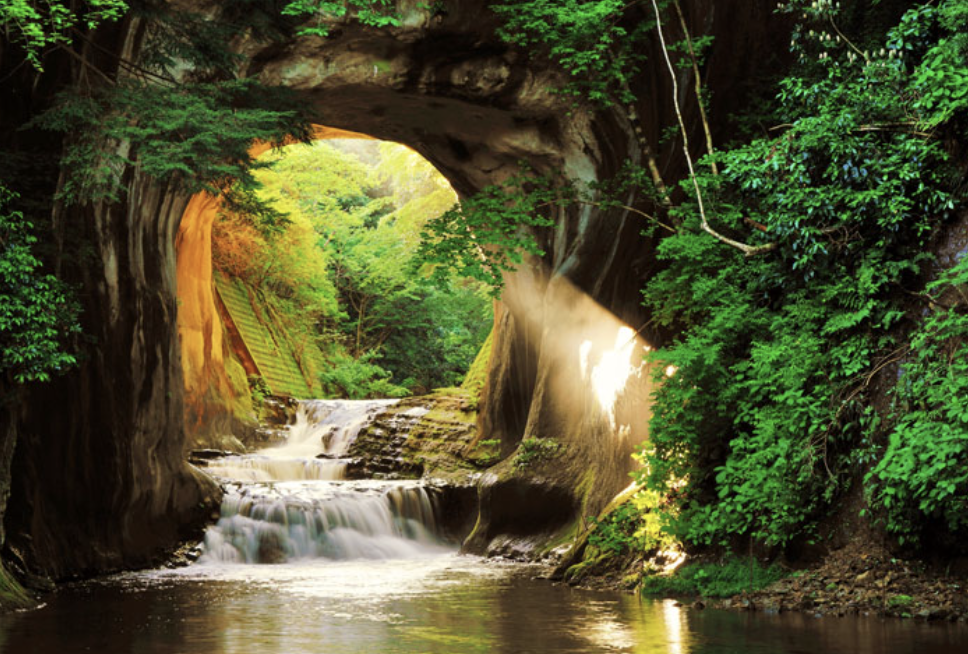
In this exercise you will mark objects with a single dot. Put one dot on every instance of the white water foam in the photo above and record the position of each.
(258, 467)
(274, 523)
(323, 428)
(327, 427)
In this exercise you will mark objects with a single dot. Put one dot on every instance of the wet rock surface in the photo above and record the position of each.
(278, 411)
(429, 437)
(421, 436)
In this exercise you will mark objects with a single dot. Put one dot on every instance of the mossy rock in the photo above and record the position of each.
(12, 594)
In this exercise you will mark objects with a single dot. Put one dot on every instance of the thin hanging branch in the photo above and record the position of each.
(849, 43)
(613, 205)
(617, 205)
(85, 64)
(748, 250)
(128, 65)
(698, 82)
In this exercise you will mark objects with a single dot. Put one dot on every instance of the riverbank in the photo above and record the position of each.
(865, 579)
(860, 579)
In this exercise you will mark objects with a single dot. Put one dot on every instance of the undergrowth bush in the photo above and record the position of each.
(358, 379)
(618, 533)
(633, 527)
(725, 579)
(923, 473)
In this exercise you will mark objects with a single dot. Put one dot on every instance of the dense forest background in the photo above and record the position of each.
(334, 256)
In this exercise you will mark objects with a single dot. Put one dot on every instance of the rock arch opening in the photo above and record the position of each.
(475, 109)
(102, 483)
(317, 290)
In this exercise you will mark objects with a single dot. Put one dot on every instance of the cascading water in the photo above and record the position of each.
(360, 569)
(362, 520)
(323, 432)
(286, 503)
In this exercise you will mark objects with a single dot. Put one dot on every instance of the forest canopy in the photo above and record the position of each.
(335, 258)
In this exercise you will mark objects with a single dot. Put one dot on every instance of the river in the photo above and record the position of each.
(303, 562)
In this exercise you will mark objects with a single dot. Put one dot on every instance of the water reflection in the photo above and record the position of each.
(444, 605)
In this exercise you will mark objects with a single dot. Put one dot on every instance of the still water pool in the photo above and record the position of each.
(441, 603)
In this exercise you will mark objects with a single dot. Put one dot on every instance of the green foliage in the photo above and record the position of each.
(592, 40)
(337, 254)
(534, 450)
(494, 230)
(359, 378)
(756, 432)
(618, 533)
(488, 234)
(38, 25)
(258, 392)
(197, 134)
(922, 476)
(941, 80)
(37, 312)
(900, 601)
(374, 13)
(725, 579)
(633, 527)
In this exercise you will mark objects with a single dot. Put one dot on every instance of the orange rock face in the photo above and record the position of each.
(208, 389)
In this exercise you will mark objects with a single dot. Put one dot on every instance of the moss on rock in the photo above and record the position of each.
(12, 594)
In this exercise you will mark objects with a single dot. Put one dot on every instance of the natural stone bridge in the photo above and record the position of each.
(101, 481)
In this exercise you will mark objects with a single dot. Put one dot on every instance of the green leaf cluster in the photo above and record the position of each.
(492, 231)
(198, 135)
(373, 13)
(921, 479)
(595, 41)
(37, 312)
(633, 527)
(757, 431)
(39, 25)
(620, 532)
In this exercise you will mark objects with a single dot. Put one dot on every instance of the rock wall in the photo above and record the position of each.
(99, 478)
(216, 401)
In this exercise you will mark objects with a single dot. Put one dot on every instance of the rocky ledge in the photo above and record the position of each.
(865, 579)
(427, 436)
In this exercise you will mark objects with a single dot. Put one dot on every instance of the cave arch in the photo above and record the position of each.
(102, 483)
(475, 113)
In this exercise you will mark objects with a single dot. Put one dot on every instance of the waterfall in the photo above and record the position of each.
(285, 504)
(327, 427)
(266, 524)
(258, 467)
(323, 428)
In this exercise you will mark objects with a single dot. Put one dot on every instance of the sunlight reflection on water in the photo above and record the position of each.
(447, 604)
